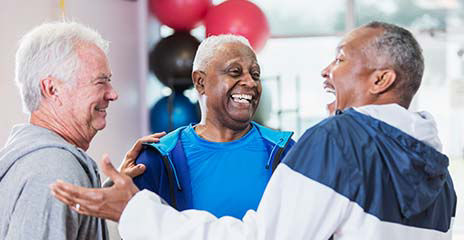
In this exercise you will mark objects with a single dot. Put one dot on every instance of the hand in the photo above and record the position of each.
(105, 203)
(128, 166)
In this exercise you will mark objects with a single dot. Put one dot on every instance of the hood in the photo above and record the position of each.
(419, 125)
(26, 138)
(416, 165)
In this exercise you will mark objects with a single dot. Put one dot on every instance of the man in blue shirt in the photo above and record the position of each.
(223, 163)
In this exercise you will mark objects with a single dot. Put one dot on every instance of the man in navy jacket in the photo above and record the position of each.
(373, 171)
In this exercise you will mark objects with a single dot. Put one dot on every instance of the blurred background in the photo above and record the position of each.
(294, 40)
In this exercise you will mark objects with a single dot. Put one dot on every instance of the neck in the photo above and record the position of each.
(70, 133)
(382, 100)
(216, 132)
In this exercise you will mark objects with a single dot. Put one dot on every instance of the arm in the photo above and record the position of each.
(150, 179)
(293, 207)
(297, 203)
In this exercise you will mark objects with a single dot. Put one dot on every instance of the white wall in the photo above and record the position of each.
(118, 22)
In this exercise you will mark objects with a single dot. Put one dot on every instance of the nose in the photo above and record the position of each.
(326, 71)
(111, 94)
(248, 81)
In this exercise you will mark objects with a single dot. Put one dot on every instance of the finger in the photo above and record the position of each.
(158, 135)
(152, 138)
(62, 196)
(137, 147)
(88, 198)
(72, 192)
(71, 204)
(135, 170)
(110, 171)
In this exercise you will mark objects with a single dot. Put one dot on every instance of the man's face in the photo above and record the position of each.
(347, 76)
(233, 85)
(85, 101)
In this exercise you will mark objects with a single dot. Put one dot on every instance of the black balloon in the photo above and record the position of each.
(171, 60)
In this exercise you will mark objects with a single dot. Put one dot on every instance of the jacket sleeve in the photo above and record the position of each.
(294, 206)
(151, 178)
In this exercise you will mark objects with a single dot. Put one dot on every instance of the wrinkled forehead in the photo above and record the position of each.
(234, 51)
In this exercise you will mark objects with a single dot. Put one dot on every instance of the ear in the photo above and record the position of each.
(199, 78)
(49, 88)
(383, 79)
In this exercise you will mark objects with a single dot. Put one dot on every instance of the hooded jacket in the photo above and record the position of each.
(31, 160)
(167, 171)
(371, 173)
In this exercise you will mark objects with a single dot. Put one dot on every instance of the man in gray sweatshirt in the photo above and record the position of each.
(64, 78)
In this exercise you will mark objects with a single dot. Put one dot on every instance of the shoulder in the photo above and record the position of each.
(321, 154)
(51, 164)
(149, 156)
(274, 136)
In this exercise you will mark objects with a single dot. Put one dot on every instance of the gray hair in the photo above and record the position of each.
(397, 48)
(49, 50)
(208, 47)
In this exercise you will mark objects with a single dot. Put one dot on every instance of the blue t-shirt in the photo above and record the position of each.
(227, 178)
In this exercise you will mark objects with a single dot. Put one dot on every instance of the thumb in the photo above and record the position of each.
(109, 170)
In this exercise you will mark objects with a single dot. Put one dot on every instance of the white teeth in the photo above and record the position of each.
(241, 100)
(242, 97)
(100, 110)
(329, 90)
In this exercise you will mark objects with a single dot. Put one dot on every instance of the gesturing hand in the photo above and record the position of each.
(105, 203)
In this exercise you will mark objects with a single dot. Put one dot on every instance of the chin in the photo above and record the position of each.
(99, 126)
(240, 122)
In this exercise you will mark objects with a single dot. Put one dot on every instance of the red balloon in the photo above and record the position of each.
(182, 15)
(240, 17)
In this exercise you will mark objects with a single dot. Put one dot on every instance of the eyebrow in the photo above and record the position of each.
(103, 75)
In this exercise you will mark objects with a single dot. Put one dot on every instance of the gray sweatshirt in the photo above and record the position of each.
(30, 161)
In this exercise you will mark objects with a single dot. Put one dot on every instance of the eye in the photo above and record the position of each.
(338, 60)
(256, 75)
(235, 72)
(103, 80)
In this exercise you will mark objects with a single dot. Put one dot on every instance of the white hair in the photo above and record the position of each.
(49, 50)
(208, 47)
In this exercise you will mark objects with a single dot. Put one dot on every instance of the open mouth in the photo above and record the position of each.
(328, 88)
(331, 97)
(100, 109)
(242, 98)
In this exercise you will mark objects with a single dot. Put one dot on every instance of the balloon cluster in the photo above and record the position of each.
(172, 57)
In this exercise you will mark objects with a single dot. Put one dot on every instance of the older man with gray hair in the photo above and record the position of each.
(64, 78)
(192, 166)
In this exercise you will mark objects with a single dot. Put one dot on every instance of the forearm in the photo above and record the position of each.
(290, 209)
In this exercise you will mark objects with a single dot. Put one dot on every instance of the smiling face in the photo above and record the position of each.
(231, 84)
(349, 76)
(86, 99)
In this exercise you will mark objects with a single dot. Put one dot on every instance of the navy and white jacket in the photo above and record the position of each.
(167, 171)
(371, 173)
